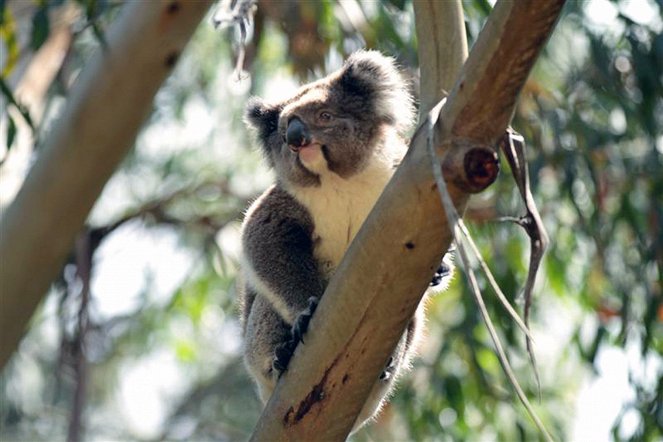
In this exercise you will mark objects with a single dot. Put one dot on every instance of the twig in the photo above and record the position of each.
(513, 146)
(493, 283)
(239, 14)
(453, 220)
(157, 209)
(83, 270)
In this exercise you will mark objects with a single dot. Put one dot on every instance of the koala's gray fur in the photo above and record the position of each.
(296, 233)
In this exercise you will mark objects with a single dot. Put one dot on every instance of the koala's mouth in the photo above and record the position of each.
(309, 153)
(297, 149)
(313, 157)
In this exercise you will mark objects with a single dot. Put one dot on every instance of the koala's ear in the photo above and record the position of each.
(262, 117)
(365, 71)
(376, 79)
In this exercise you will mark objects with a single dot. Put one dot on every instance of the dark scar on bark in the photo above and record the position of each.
(316, 394)
(173, 7)
(171, 59)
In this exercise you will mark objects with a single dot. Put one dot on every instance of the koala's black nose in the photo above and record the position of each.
(297, 134)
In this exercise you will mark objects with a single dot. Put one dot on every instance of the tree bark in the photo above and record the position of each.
(442, 49)
(384, 274)
(106, 108)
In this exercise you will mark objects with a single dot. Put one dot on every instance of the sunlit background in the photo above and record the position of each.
(160, 355)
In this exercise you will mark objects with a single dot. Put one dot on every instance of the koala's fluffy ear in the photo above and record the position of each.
(262, 117)
(376, 78)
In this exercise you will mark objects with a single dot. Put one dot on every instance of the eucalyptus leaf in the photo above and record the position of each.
(40, 28)
(11, 132)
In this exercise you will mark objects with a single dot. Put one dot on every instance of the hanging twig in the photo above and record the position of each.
(489, 275)
(493, 283)
(238, 14)
(83, 271)
(513, 146)
(453, 220)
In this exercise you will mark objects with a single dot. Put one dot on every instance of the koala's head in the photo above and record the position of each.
(336, 124)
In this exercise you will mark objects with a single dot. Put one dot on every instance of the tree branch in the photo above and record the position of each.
(442, 49)
(107, 106)
(384, 274)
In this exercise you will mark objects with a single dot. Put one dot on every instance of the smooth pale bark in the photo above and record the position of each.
(385, 272)
(442, 49)
(107, 107)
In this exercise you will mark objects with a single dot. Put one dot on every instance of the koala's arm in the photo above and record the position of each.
(278, 251)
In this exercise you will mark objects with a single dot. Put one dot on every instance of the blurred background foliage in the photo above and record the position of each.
(138, 338)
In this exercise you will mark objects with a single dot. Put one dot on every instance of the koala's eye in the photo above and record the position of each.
(325, 116)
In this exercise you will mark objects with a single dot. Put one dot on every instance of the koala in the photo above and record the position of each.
(334, 145)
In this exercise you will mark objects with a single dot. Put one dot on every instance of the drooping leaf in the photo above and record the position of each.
(41, 27)
(4, 89)
(11, 132)
(3, 8)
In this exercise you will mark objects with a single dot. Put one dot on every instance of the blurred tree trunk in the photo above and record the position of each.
(105, 110)
(368, 303)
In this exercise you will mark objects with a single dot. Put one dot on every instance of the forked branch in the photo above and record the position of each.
(384, 274)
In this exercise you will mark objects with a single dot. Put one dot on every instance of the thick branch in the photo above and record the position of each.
(442, 49)
(509, 43)
(103, 115)
(382, 278)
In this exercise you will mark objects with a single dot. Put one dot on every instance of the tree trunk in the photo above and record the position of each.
(106, 108)
(384, 274)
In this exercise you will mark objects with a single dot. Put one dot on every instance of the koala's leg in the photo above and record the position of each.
(265, 331)
(397, 364)
(443, 273)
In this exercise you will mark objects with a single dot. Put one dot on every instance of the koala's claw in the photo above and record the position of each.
(282, 354)
(440, 274)
(301, 323)
(388, 369)
(284, 351)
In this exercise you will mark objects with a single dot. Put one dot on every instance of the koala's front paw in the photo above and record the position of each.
(283, 352)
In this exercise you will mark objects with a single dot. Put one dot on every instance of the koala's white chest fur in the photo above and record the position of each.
(339, 207)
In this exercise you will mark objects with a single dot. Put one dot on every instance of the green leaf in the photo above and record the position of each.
(483, 6)
(11, 133)
(185, 350)
(454, 392)
(400, 4)
(3, 7)
(100, 35)
(9, 42)
(4, 89)
(40, 28)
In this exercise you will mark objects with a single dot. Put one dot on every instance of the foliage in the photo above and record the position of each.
(164, 236)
